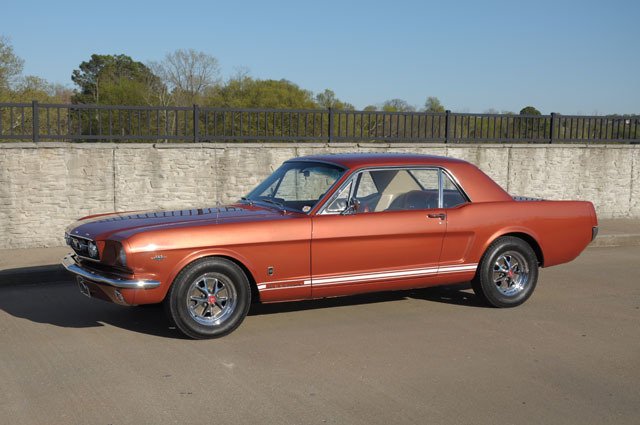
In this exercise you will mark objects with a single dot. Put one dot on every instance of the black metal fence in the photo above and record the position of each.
(84, 123)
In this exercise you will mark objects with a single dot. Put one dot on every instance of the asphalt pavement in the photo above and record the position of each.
(570, 355)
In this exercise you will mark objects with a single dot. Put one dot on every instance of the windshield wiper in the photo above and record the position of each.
(247, 200)
(271, 201)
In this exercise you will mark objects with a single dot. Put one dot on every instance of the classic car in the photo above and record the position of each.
(327, 226)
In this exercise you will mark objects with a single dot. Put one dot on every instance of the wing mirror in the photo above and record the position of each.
(353, 206)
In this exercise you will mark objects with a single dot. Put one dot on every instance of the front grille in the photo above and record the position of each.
(79, 245)
(108, 270)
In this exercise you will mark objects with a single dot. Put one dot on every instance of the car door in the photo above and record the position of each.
(383, 230)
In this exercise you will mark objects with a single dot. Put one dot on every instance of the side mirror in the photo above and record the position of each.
(353, 206)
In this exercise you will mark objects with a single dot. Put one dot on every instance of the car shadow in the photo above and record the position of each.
(60, 303)
(454, 294)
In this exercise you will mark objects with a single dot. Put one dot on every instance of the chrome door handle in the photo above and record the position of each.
(441, 216)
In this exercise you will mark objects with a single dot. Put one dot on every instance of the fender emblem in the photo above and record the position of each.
(158, 257)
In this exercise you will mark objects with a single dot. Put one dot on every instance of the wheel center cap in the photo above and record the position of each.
(510, 274)
(211, 299)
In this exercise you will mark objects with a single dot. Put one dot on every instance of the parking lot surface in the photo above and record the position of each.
(570, 355)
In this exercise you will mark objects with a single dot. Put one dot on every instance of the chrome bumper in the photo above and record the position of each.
(70, 263)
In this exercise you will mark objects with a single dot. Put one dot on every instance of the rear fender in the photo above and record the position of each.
(515, 231)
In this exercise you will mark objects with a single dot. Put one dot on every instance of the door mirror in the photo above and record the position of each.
(352, 207)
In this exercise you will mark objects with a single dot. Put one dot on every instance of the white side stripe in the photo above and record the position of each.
(302, 281)
(375, 276)
(457, 269)
(363, 277)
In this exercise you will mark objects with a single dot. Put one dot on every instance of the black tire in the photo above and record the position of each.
(507, 274)
(209, 298)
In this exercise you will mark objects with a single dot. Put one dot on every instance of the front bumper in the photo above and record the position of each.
(71, 263)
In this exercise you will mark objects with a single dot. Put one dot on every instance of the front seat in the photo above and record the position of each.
(414, 200)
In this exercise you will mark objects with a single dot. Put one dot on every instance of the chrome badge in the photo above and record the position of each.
(158, 257)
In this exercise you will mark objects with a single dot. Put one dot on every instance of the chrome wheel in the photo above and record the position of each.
(510, 273)
(211, 299)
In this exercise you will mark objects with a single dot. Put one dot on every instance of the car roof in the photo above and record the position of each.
(358, 160)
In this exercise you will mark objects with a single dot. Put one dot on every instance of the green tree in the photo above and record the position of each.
(529, 110)
(10, 65)
(327, 99)
(433, 105)
(246, 92)
(113, 79)
(397, 105)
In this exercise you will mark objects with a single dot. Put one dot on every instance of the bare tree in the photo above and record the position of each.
(187, 73)
(10, 64)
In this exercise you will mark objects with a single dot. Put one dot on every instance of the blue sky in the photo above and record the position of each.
(560, 56)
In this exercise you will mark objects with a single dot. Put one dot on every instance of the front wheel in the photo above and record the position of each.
(507, 274)
(209, 298)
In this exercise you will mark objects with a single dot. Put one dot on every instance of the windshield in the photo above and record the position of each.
(296, 185)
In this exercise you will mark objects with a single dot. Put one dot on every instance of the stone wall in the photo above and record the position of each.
(44, 187)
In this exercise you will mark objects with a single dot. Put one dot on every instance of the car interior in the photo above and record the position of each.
(397, 190)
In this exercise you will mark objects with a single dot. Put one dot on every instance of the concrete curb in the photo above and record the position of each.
(56, 273)
(609, 241)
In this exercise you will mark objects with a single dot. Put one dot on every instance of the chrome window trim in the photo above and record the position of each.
(440, 189)
(356, 173)
(318, 161)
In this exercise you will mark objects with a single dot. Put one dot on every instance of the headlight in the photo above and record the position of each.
(122, 257)
(92, 250)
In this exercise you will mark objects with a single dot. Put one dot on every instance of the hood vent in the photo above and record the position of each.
(166, 214)
(526, 199)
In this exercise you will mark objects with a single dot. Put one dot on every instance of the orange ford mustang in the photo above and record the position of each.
(325, 226)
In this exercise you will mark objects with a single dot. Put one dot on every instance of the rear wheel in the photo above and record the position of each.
(508, 273)
(209, 298)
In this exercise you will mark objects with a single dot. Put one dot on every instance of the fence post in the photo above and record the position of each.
(330, 125)
(36, 121)
(447, 126)
(196, 123)
(552, 127)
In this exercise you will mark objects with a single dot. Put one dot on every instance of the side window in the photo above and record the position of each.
(420, 191)
(399, 189)
(367, 192)
(451, 196)
(428, 178)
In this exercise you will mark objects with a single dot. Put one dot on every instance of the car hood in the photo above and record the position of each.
(118, 225)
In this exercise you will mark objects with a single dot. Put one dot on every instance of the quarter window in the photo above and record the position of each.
(451, 195)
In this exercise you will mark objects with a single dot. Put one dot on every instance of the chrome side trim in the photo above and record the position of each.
(365, 277)
(71, 264)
